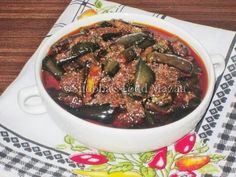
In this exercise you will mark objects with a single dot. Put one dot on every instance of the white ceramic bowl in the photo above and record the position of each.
(114, 139)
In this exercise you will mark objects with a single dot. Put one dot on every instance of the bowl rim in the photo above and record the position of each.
(201, 51)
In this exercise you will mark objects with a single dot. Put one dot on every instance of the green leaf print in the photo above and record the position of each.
(201, 148)
(209, 168)
(146, 156)
(204, 149)
(69, 139)
(110, 156)
(98, 4)
(216, 157)
(78, 148)
(147, 172)
(121, 167)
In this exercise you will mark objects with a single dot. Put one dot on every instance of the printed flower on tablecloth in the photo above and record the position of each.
(186, 158)
(99, 9)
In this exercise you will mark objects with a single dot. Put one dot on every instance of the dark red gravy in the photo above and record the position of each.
(203, 80)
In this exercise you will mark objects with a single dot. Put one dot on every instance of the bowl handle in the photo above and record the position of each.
(218, 63)
(30, 101)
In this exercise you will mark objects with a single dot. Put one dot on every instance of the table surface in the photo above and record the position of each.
(24, 23)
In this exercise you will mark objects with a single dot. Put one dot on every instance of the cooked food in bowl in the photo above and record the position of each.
(124, 75)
